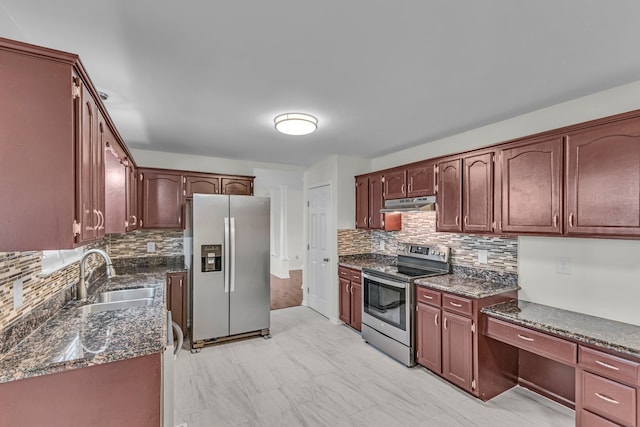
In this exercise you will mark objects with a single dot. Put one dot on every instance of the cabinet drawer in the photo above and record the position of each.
(592, 420)
(532, 341)
(428, 296)
(344, 272)
(608, 398)
(457, 304)
(609, 365)
(356, 276)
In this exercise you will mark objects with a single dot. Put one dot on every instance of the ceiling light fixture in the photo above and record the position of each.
(296, 123)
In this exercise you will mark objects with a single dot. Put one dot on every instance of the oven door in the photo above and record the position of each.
(386, 307)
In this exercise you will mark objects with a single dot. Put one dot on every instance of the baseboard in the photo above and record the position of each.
(546, 393)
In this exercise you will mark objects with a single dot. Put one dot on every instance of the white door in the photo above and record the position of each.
(319, 253)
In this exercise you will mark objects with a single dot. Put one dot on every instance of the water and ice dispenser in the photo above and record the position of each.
(211, 258)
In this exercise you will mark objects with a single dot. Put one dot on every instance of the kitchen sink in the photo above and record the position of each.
(127, 294)
(116, 305)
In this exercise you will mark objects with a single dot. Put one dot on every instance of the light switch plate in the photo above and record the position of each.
(563, 266)
(151, 246)
(482, 256)
(17, 294)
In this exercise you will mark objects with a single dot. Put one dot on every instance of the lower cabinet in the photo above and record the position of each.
(177, 298)
(350, 281)
(448, 342)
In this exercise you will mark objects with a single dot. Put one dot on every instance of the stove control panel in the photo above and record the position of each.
(432, 252)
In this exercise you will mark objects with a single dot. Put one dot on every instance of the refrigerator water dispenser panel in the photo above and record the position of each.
(211, 258)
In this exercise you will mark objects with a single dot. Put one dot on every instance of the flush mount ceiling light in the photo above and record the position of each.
(296, 123)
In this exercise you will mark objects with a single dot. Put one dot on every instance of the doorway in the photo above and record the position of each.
(318, 220)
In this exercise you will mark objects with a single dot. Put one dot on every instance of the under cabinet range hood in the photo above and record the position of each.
(414, 204)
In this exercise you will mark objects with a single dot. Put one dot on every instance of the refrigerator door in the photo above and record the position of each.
(210, 289)
(250, 296)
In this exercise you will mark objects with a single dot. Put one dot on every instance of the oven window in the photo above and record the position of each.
(386, 303)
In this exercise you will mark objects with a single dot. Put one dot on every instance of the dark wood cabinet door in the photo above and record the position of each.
(202, 185)
(161, 200)
(345, 300)
(603, 180)
(421, 180)
(356, 305)
(237, 186)
(449, 197)
(477, 199)
(362, 202)
(133, 217)
(532, 187)
(429, 337)
(457, 350)
(177, 298)
(376, 201)
(88, 212)
(116, 177)
(97, 174)
(395, 184)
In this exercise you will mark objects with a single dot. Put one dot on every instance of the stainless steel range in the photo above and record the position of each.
(388, 298)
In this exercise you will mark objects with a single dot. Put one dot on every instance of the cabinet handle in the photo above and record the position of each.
(571, 219)
(455, 304)
(427, 296)
(607, 399)
(369, 220)
(97, 227)
(500, 224)
(101, 220)
(466, 221)
(365, 220)
(180, 282)
(525, 338)
(402, 189)
(435, 320)
(169, 281)
(555, 221)
(457, 219)
(140, 223)
(445, 323)
(606, 365)
(135, 219)
(180, 219)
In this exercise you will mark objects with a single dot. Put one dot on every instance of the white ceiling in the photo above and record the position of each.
(208, 77)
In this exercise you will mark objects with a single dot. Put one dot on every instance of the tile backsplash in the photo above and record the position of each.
(56, 289)
(419, 227)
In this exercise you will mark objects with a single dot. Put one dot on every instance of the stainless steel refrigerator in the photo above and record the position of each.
(230, 267)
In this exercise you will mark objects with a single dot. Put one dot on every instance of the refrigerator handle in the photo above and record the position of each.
(226, 255)
(232, 269)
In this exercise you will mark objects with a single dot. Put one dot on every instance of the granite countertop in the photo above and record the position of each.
(371, 261)
(69, 340)
(619, 337)
(465, 286)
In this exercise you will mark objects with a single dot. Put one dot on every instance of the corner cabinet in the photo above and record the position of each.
(176, 298)
(603, 180)
(449, 344)
(350, 281)
(369, 201)
(161, 198)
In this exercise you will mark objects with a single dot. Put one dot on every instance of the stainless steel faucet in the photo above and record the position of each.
(82, 286)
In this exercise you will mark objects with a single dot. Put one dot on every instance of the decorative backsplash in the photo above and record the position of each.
(419, 227)
(134, 244)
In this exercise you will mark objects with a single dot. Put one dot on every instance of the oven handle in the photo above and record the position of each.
(399, 285)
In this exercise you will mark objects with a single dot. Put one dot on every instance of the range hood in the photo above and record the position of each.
(414, 204)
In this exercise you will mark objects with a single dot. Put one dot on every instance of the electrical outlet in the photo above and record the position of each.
(482, 256)
(17, 294)
(382, 245)
(563, 265)
(151, 247)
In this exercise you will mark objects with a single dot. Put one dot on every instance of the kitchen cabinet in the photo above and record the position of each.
(449, 196)
(531, 181)
(201, 184)
(447, 342)
(132, 195)
(115, 394)
(369, 201)
(176, 298)
(115, 184)
(242, 186)
(161, 198)
(416, 180)
(350, 282)
(478, 192)
(603, 180)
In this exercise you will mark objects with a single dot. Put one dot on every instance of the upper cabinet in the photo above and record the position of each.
(161, 198)
(531, 181)
(369, 201)
(603, 180)
(478, 192)
(201, 184)
(241, 186)
(415, 180)
(449, 197)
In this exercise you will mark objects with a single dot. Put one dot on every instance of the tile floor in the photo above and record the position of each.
(314, 373)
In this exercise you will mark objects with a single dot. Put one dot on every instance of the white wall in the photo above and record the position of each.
(605, 280)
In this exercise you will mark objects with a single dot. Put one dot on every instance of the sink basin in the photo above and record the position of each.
(117, 305)
(127, 294)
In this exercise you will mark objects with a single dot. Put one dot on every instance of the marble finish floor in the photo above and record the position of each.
(314, 373)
